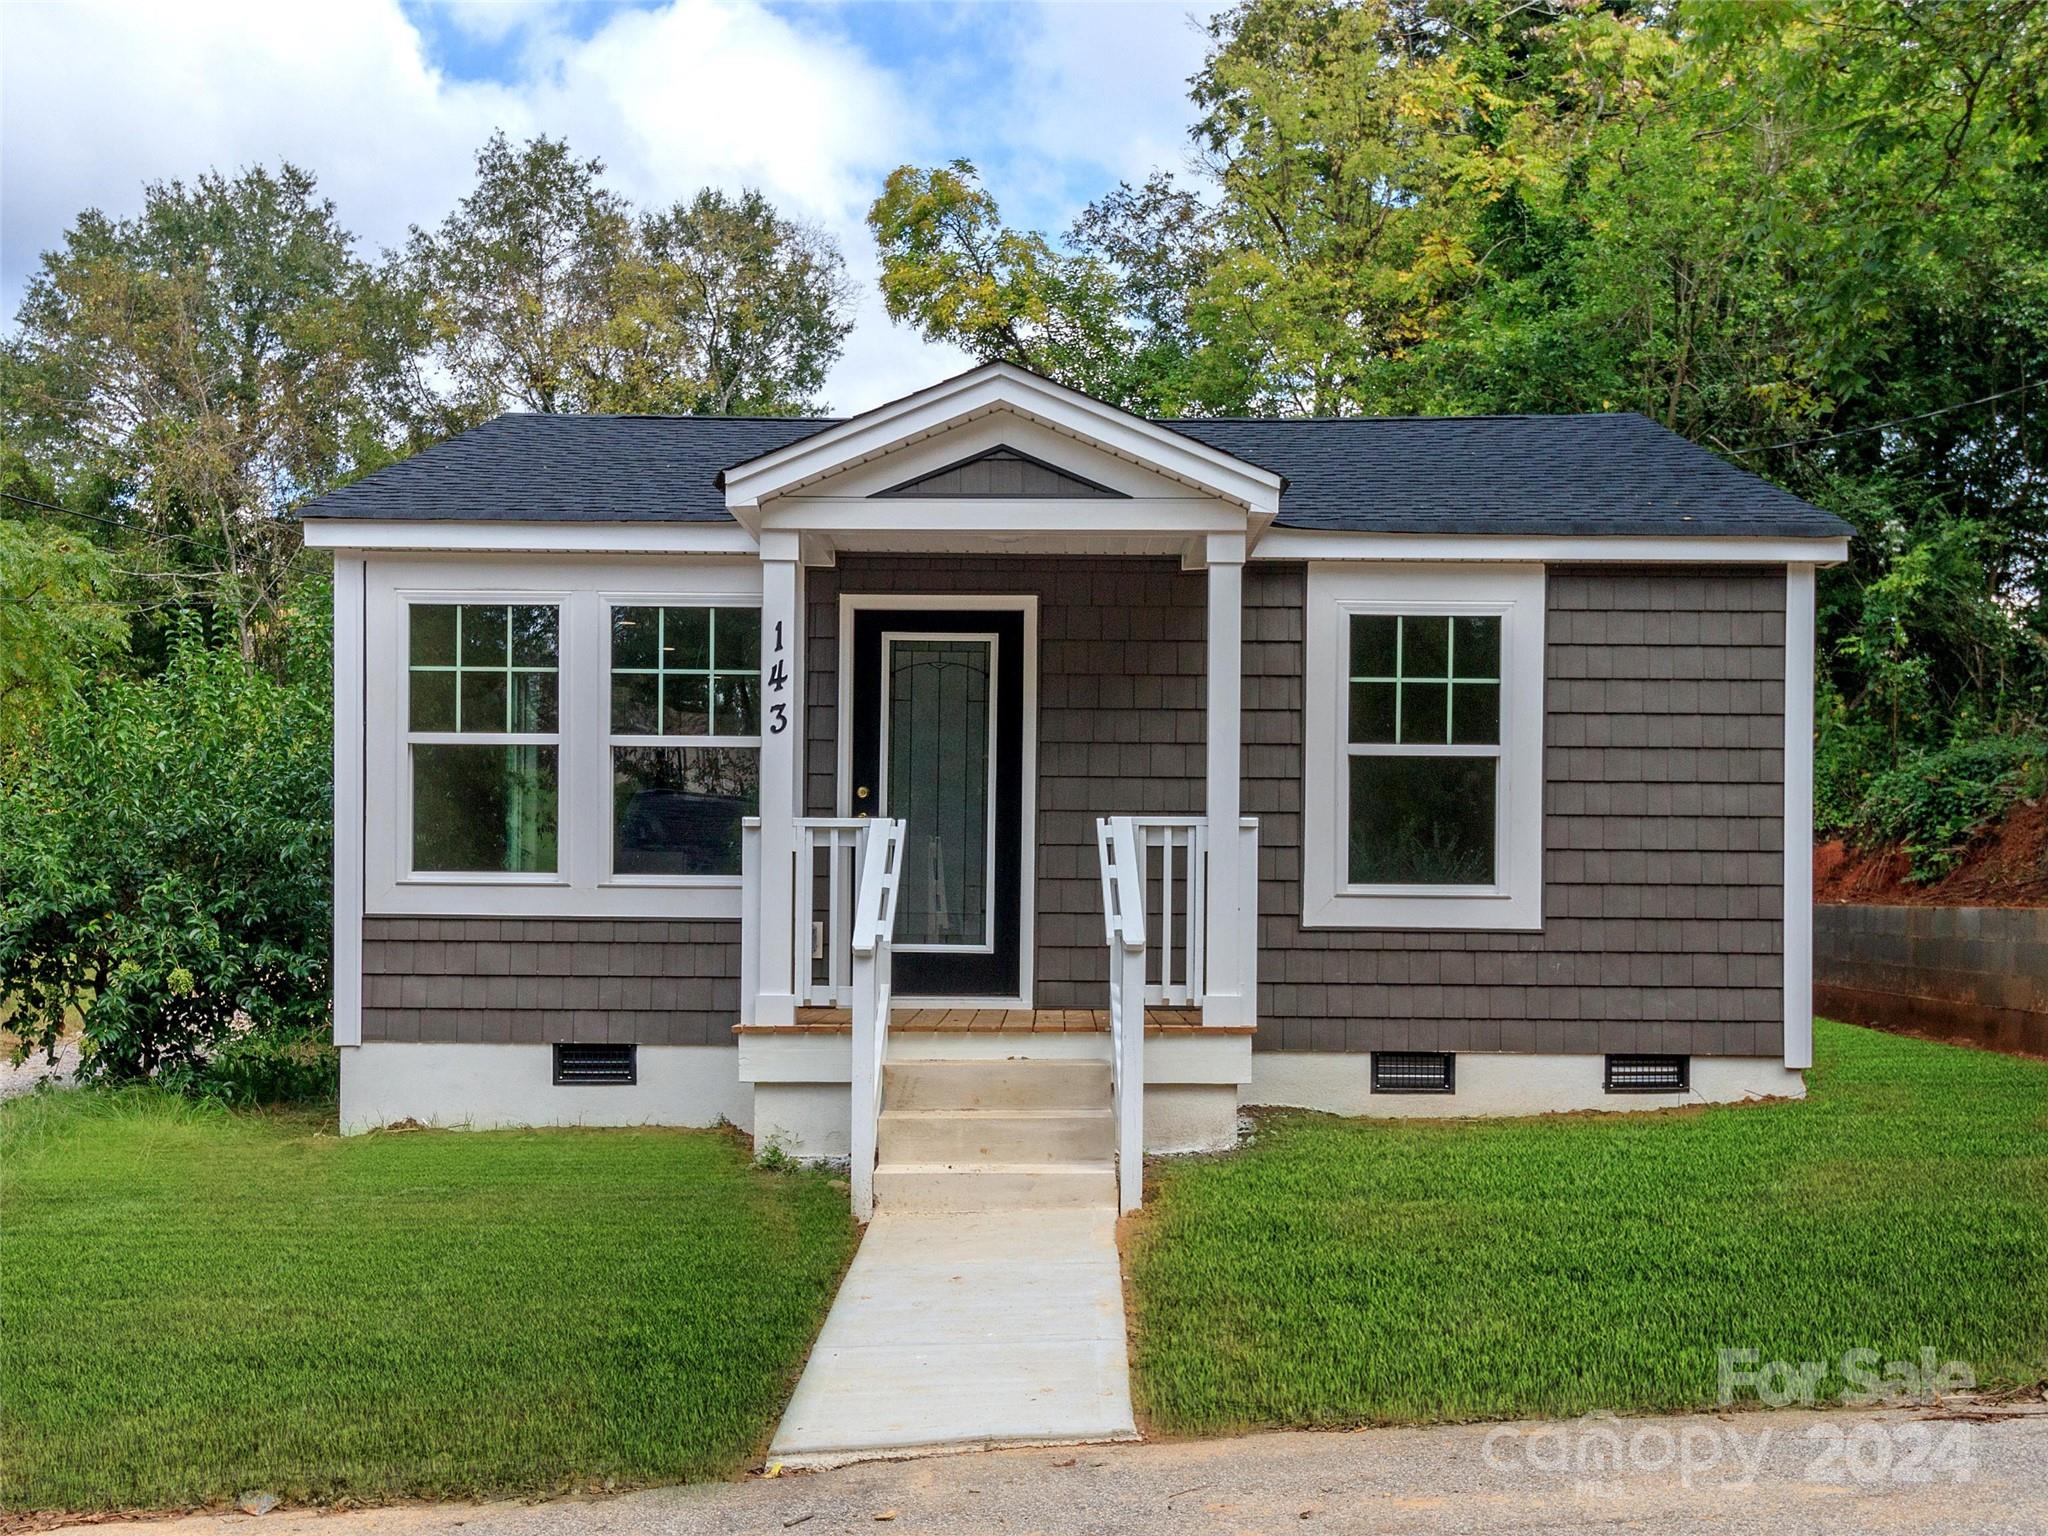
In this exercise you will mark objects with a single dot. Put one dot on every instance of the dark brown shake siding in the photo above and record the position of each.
(1121, 684)
(1663, 832)
(1663, 835)
(539, 981)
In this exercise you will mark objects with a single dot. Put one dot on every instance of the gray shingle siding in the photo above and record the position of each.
(1122, 668)
(540, 981)
(1663, 818)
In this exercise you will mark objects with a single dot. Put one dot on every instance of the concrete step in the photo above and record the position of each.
(940, 1188)
(1006, 1084)
(997, 1135)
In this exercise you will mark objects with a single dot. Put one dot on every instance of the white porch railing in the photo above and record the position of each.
(824, 879)
(1123, 919)
(1173, 864)
(869, 943)
(1156, 888)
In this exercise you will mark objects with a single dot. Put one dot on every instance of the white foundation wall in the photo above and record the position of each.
(488, 1086)
(1340, 1083)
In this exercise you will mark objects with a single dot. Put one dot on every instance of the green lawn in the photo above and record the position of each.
(194, 1304)
(1343, 1271)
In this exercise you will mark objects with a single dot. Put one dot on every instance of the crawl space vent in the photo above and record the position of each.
(1413, 1072)
(1648, 1074)
(596, 1064)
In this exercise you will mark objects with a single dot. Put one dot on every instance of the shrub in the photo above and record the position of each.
(1933, 803)
(164, 867)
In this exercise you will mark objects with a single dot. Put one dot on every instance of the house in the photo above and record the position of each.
(801, 773)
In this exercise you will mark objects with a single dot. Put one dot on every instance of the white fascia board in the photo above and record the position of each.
(1703, 549)
(1190, 515)
(999, 386)
(372, 536)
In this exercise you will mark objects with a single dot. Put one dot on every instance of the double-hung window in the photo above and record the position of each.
(483, 730)
(685, 737)
(1424, 773)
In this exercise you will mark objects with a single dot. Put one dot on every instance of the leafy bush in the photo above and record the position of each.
(1932, 804)
(164, 868)
(251, 1068)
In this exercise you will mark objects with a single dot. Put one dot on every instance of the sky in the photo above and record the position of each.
(386, 102)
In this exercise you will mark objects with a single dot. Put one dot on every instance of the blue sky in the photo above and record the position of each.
(387, 100)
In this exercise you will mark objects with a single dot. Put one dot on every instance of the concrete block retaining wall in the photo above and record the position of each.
(1974, 974)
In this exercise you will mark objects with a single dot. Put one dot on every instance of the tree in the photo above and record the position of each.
(731, 309)
(202, 367)
(951, 267)
(545, 292)
(164, 865)
(520, 282)
(55, 620)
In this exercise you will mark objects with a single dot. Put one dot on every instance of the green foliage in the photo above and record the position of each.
(1338, 1272)
(406, 1314)
(1933, 803)
(249, 1069)
(164, 866)
(544, 292)
(55, 622)
(954, 270)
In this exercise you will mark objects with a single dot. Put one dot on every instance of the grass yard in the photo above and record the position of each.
(195, 1303)
(1344, 1271)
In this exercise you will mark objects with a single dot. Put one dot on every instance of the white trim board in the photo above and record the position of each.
(1797, 937)
(365, 535)
(349, 825)
(842, 762)
(1704, 549)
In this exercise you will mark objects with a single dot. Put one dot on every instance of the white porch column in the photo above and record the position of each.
(1798, 926)
(1223, 1001)
(781, 728)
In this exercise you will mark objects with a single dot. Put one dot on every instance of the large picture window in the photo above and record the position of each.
(684, 737)
(483, 733)
(1424, 777)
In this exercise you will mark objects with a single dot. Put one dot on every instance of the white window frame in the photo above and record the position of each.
(584, 589)
(1513, 593)
(410, 738)
(611, 600)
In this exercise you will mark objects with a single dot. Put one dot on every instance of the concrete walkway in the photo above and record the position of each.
(963, 1330)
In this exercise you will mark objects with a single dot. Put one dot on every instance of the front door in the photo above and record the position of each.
(938, 743)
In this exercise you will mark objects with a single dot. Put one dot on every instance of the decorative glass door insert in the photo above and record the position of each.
(938, 777)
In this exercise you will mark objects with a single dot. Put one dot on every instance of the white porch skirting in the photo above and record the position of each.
(487, 1086)
(1497, 1083)
(791, 1092)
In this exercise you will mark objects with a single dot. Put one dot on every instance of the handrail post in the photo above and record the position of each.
(751, 917)
(874, 926)
(1123, 913)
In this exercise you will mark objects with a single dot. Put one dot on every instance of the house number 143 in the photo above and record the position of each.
(778, 685)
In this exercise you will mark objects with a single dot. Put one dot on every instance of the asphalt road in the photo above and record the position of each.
(1749, 1473)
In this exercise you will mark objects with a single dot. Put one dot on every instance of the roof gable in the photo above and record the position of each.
(996, 390)
(1001, 471)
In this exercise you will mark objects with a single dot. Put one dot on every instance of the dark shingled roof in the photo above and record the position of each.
(1567, 475)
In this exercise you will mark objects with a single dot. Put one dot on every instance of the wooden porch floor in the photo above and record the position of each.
(1034, 1021)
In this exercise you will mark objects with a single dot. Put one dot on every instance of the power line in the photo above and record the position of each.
(1880, 426)
(51, 506)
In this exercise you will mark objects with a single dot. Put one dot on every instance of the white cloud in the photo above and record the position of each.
(96, 98)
